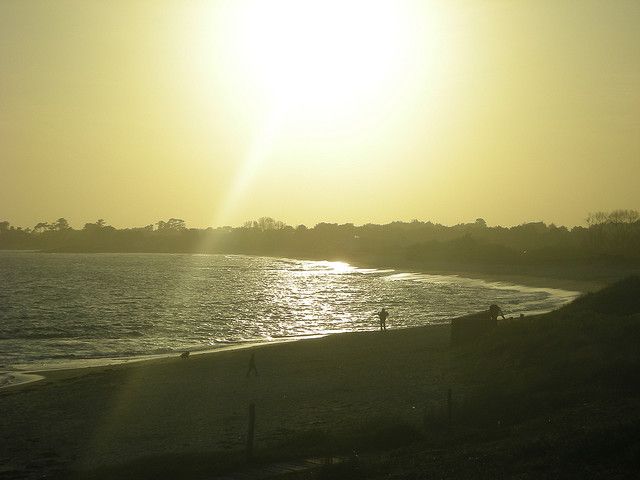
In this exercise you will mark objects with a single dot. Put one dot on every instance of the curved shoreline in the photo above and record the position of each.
(534, 281)
(16, 378)
(581, 286)
(569, 288)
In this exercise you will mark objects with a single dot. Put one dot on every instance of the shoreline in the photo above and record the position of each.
(15, 378)
(581, 286)
(522, 279)
(18, 378)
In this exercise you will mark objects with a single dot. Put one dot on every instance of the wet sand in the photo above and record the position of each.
(89, 417)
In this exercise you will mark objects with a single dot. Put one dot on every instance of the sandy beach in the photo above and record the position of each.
(90, 417)
(173, 409)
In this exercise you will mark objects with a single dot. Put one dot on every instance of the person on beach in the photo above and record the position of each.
(252, 366)
(494, 312)
(383, 315)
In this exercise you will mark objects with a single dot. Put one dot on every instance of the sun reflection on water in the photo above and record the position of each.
(171, 302)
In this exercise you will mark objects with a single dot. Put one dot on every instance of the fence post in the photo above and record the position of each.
(251, 430)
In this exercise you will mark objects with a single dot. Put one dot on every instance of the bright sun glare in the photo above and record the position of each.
(322, 55)
(316, 69)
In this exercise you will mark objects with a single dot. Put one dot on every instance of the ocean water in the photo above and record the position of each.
(63, 309)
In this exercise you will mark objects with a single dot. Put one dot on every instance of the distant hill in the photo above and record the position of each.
(620, 298)
(607, 249)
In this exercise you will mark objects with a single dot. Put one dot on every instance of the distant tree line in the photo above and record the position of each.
(610, 238)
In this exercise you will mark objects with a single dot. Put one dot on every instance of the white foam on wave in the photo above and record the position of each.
(27, 373)
(13, 379)
(562, 296)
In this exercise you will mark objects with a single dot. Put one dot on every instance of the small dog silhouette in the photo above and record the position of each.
(184, 354)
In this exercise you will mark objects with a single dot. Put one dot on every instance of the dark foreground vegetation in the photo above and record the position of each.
(549, 396)
(610, 243)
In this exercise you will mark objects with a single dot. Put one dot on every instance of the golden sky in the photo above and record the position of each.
(217, 112)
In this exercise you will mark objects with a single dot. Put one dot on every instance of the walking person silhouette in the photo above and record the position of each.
(252, 366)
(383, 315)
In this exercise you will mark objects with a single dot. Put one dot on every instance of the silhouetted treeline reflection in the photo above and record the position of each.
(611, 238)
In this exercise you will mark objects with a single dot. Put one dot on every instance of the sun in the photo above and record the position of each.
(322, 55)
(313, 82)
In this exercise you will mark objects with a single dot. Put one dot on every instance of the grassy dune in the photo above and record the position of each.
(555, 395)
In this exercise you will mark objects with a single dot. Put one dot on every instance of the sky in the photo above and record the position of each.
(218, 112)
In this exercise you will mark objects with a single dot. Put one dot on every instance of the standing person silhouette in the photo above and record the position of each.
(383, 315)
(252, 366)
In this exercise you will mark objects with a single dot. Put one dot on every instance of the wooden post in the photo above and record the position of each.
(251, 430)
(425, 417)
(449, 406)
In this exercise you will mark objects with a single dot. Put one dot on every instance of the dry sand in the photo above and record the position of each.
(107, 415)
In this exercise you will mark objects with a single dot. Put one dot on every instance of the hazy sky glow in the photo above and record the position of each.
(219, 112)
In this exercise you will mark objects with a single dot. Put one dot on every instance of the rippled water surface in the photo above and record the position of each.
(57, 307)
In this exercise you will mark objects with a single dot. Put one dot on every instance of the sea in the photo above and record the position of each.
(67, 310)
